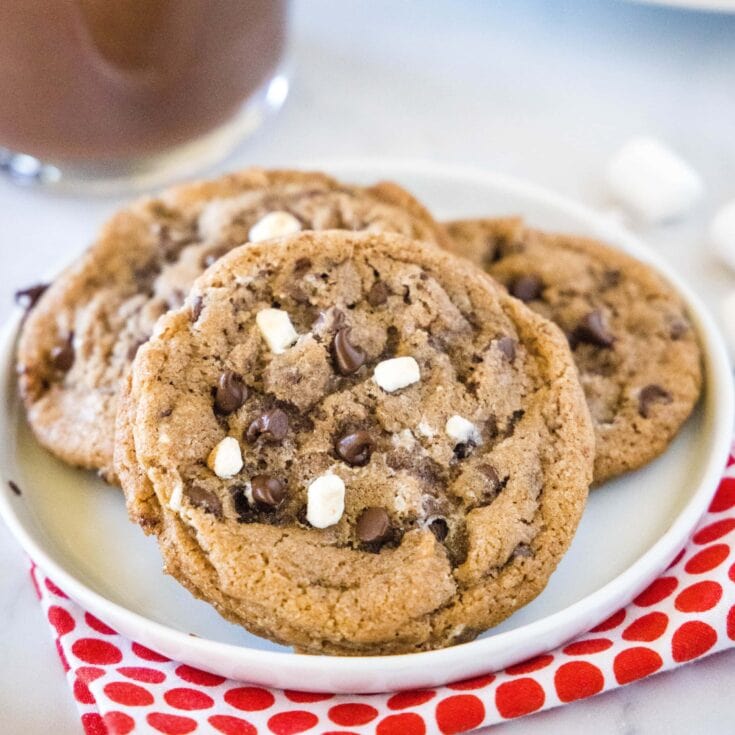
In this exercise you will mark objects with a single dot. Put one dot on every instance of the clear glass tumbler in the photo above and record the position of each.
(110, 94)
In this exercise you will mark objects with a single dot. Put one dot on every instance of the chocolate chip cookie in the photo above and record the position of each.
(638, 356)
(84, 331)
(356, 443)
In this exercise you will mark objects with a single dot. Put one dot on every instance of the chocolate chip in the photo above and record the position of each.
(649, 395)
(373, 525)
(205, 499)
(526, 288)
(491, 474)
(272, 425)
(463, 450)
(593, 331)
(507, 345)
(196, 308)
(146, 274)
(62, 356)
(378, 294)
(523, 551)
(28, 297)
(133, 349)
(392, 340)
(678, 329)
(355, 449)
(267, 490)
(14, 487)
(611, 278)
(348, 358)
(439, 527)
(230, 393)
(301, 265)
(240, 500)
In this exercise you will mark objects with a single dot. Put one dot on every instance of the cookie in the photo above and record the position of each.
(638, 356)
(355, 443)
(84, 331)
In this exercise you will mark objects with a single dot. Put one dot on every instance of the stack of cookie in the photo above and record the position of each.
(346, 437)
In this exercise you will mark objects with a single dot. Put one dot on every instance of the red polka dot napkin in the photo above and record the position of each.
(122, 687)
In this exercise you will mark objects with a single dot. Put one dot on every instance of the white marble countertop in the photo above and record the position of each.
(541, 90)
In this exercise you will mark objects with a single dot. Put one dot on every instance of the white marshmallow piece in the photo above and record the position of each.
(425, 429)
(728, 320)
(460, 430)
(722, 234)
(225, 460)
(652, 181)
(276, 328)
(325, 502)
(396, 373)
(274, 224)
(177, 496)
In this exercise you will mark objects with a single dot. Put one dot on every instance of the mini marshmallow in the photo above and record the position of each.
(728, 319)
(722, 234)
(652, 181)
(325, 501)
(461, 430)
(425, 429)
(396, 373)
(276, 328)
(177, 496)
(225, 460)
(274, 224)
(404, 439)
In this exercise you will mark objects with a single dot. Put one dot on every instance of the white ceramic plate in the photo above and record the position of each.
(76, 528)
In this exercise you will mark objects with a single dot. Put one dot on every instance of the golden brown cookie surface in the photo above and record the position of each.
(81, 336)
(353, 443)
(638, 356)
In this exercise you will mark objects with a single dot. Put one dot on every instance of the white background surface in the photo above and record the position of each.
(544, 90)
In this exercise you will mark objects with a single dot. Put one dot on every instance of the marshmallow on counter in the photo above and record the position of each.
(396, 373)
(274, 224)
(722, 234)
(325, 502)
(277, 330)
(652, 181)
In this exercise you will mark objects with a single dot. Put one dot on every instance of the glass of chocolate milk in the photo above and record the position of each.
(111, 94)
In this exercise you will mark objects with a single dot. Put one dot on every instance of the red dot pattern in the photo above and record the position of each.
(635, 663)
(232, 725)
(691, 640)
(459, 713)
(403, 700)
(656, 591)
(352, 713)
(647, 628)
(688, 612)
(707, 559)
(577, 680)
(290, 723)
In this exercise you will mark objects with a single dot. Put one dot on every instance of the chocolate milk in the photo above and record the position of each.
(111, 79)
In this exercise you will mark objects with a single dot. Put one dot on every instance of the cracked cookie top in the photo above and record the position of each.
(356, 443)
(638, 355)
(81, 336)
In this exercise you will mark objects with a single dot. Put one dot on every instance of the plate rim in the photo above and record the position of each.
(719, 410)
